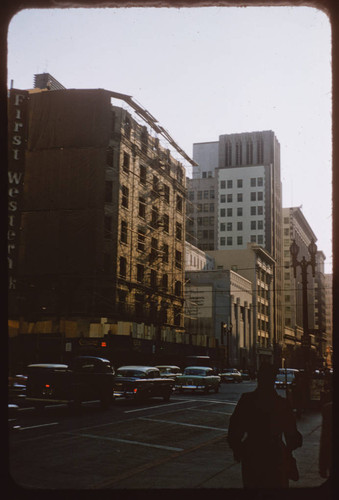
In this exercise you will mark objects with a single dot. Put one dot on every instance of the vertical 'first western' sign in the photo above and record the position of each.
(17, 134)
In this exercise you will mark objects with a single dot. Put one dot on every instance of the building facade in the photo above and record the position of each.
(98, 205)
(243, 170)
(218, 314)
(256, 265)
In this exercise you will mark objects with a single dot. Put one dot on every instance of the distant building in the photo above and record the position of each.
(218, 313)
(329, 318)
(235, 199)
(256, 265)
(196, 259)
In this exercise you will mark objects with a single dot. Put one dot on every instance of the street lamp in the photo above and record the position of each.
(303, 263)
(226, 330)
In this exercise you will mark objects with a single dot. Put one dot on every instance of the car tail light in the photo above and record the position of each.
(135, 390)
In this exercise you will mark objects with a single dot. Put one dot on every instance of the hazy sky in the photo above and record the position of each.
(203, 72)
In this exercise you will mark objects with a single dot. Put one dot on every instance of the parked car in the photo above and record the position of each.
(231, 375)
(198, 378)
(141, 382)
(245, 375)
(87, 378)
(169, 371)
(285, 378)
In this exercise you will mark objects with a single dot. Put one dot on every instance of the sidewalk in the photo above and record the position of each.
(309, 424)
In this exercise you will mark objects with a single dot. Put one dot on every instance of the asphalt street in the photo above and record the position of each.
(137, 446)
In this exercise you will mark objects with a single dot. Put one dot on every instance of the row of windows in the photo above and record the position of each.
(153, 280)
(254, 182)
(254, 210)
(254, 196)
(239, 152)
(207, 194)
(228, 226)
(228, 241)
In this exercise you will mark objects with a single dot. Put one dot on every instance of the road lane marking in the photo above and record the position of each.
(37, 426)
(183, 423)
(212, 411)
(127, 441)
(158, 406)
(155, 463)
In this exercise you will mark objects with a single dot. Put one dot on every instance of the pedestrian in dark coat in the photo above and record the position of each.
(257, 425)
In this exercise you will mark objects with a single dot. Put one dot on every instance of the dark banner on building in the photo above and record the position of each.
(17, 138)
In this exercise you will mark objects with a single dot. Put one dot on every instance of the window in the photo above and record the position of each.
(108, 191)
(140, 273)
(178, 289)
(229, 241)
(139, 304)
(199, 195)
(222, 226)
(229, 226)
(228, 154)
(206, 193)
(260, 224)
(253, 224)
(164, 282)
(253, 210)
(206, 207)
(154, 217)
(229, 184)
(222, 184)
(191, 195)
(211, 207)
(239, 226)
(124, 199)
(127, 127)
(222, 212)
(109, 157)
(239, 211)
(144, 140)
(165, 252)
(239, 197)
(178, 231)
(253, 182)
(239, 183)
(122, 267)
(212, 194)
(155, 184)
(179, 203)
(222, 198)
(222, 241)
(166, 193)
(260, 239)
(125, 164)
(253, 238)
(177, 316)
(260, 181)
(260, 151)
(123, 231)
(253, 196)
(260, 210)
(141, 239)
(249, 152)
(178, 259)
(143, 174)
(165, 219)
(260, 196)
(108, 227)
(230, 212)
(238, 153)
(204, 175)
(142, 207)
(239, 240)
(153, 279)
(229, 198)
(154, 250)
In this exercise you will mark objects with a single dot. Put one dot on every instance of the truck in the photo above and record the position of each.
(86, 378)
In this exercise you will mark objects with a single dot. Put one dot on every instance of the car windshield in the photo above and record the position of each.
(194, 371)
(281, 377)
(131, 373)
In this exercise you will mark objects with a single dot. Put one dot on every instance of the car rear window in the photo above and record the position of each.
(131, 373)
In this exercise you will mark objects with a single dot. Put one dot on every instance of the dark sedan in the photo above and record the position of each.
(141, 382)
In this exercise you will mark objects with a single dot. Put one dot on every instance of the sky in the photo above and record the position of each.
(203, 72)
